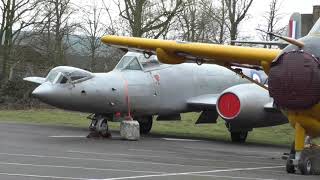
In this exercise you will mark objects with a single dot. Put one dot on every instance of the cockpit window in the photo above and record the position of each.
(64, 74)
(123, 62)
(64, 80)
(52, 75)
(78, 75)
(134, 65)
(152, 61)
(61, 78)
(315, 29)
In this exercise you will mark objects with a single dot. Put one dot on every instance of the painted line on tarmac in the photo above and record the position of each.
(176, 157)
(67, 136)
(150, 150)
(229, 177)
(178, 139)
(192, 173)
(219, 155)
(39, 176)
(77, 167)
(221, 149)
(102, 160)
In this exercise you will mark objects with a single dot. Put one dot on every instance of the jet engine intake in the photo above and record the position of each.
(243, 107)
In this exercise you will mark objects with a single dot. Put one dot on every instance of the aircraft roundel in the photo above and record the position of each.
(255, 76)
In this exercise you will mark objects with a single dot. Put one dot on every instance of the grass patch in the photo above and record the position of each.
(279, 135)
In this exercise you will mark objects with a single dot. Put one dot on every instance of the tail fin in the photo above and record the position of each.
(294, 26)
(37, 80)
(293, 31)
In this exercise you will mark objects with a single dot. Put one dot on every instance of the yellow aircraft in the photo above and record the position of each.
(294, 80)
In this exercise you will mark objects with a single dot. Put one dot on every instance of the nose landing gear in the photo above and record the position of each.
(99, 126)
(306, 161)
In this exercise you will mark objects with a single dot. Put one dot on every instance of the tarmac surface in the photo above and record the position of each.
(53, 152)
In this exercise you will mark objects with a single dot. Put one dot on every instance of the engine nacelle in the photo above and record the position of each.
(243, 108)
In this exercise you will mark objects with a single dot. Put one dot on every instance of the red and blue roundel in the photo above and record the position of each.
(256, 76)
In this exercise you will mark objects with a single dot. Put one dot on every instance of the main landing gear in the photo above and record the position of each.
(145, 123)
(304, 155)
(99, 126)
(239, 137)
(307, 161)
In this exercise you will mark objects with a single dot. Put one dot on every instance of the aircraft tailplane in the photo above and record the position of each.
(37, 80)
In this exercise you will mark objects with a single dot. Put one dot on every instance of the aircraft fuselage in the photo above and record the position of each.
(161, 90)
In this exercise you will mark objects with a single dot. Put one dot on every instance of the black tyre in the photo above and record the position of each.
(305, 166)
(306, 163)
(309, 163)
(102, 128)
(145, 124)
(289, 166)
(239, 137)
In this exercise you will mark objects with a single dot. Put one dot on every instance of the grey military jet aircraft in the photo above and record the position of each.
(143, 87)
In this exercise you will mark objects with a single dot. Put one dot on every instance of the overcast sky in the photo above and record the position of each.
(259, 8)
(256, 12)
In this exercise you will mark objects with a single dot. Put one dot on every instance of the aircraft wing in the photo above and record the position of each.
(269, 107)
(37, 80)
(174, 52)
(206, 101)
(276, 43)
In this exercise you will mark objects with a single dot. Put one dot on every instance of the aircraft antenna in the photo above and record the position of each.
(287, 39)
(242, 75)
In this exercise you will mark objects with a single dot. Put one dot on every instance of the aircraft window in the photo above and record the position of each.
(64, 74)
(63, 80)
(134, 65)
(52, 75)
(78, 75)
(149, 62)
(124, 61)
(73, 78)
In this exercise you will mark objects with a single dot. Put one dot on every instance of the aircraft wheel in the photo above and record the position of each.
(102, 127)
(239, 137)
(290, 167)
(306, 162)
(93, 125)
(145, 124)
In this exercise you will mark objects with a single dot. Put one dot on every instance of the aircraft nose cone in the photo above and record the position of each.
(41, 92)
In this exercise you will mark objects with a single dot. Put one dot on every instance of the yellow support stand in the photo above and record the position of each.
(300, 135)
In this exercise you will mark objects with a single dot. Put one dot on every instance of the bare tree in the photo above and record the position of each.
(92, 29)
(53, 34)
(202, 21)
(189, 20)
(149, 18)
(237, 10)
(217, 15)
(272, 19)
(220, 18)
(16, 15)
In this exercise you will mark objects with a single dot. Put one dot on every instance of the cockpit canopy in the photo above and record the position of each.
(64, 74)
(137, 61)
